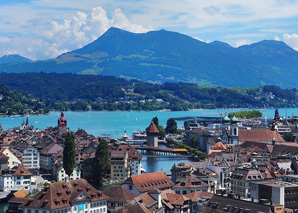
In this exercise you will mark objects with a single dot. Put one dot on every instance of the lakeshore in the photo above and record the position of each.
(114, 123)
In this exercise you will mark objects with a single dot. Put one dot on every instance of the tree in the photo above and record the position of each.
(69, 154)
(171, 126)
(162, 132)
(155, 121)
(193, 141)
(101, 164)
(288, 136)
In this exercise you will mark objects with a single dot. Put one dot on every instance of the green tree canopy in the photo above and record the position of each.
(246, 114)
(69, 154)
(162, 132)
(155, 121)
(193, 141)
(101, 164)
(171, 126)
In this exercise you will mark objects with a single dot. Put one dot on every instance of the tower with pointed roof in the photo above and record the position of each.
(62, 124)
(152, 135)
(225, 128)
(234, 137)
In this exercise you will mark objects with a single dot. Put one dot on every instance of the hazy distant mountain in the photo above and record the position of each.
(14, 58)
(160, 56)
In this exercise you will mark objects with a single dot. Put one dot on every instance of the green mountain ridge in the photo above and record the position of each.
(163, 56)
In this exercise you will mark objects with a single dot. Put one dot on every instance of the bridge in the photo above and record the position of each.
(199, 119)
(161, 151)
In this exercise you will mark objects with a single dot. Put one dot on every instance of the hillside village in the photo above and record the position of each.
(250, 168)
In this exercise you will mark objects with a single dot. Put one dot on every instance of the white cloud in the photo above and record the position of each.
(291, 40)
(199, 39)
(276, 38)
(56, 26)
(240, 43)
(68, 34)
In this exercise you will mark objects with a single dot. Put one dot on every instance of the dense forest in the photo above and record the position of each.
(15, 102)
(93, 92)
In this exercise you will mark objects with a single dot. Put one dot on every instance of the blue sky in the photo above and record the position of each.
(43, 29)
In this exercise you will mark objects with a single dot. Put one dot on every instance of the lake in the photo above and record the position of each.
(114, 123)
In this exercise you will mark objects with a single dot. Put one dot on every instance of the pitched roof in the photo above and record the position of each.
(3, 156)
(219, 145)
(21, 171)
(197, 195)
(191, 182)
(149, 181)
(259, 135)
(146, 200)
(221, 202)
(247, 174)
(119, 194)
(61, 194)
(152, 128)
(132, 207)
(177, 199)
(21, 193)
(50, 149)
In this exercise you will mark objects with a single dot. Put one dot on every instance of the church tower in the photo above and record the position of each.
(225, 128)
(234, 137)
(152, 135)
(62, 125)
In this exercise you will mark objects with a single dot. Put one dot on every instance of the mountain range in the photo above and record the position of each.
(164, 56)
(13, 58)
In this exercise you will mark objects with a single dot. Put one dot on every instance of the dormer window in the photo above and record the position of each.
(64, 201)
(57, 202)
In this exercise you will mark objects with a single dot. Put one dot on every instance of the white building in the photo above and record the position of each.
(15, 180)
(13, 161)
(31, 158)
(61, 175)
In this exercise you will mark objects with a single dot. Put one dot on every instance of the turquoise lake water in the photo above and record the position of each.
(115, 123)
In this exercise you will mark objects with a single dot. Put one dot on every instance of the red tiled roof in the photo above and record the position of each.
(219, 145)
(147, 182)
(61, 194)
(177, 199)
(259, 135)
(197, 195)
(119, 194)
(21, 171)
(21, 193)
(3, 156)
(152, 128)
(191, 182)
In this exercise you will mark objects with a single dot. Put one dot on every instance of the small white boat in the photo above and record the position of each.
(139, 135)
(124, 137)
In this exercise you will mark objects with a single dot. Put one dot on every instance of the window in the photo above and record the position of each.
(36, 211)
